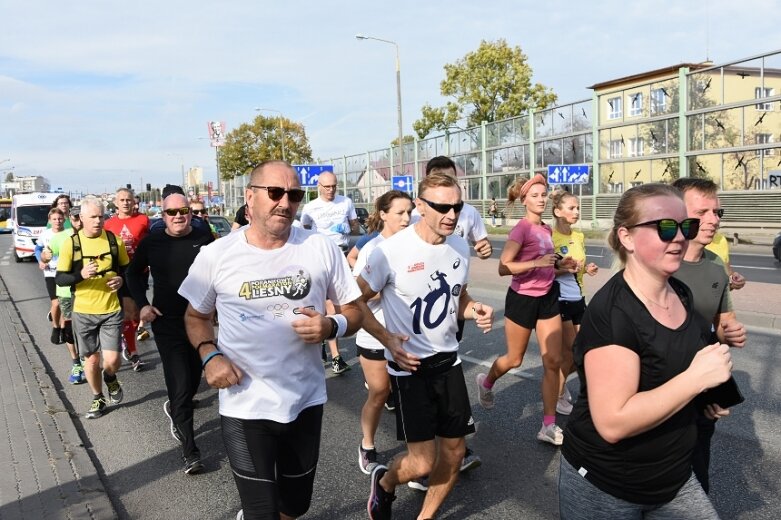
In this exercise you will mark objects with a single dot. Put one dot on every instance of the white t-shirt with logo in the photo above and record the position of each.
(420, 285)
(330, 218)
(470, 225)
(51, 268)
(363, 338)
(257, 294)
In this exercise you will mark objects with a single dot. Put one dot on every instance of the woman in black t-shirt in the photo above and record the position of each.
(642, 356)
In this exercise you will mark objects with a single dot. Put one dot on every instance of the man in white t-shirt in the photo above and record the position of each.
(269, 282)
(334, 216)
(421, 275)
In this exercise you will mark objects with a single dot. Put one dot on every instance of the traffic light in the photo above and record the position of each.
(148, 187)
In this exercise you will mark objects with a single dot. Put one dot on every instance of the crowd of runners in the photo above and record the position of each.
(257, 314)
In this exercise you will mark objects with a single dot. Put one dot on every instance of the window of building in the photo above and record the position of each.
(636, 104)
(636, 146)
(658, 101)
(760, 93)
(765, 139)
(615, 108)
(616, 149)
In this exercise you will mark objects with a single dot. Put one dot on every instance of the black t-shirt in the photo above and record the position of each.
(169, 259)
(241, 216)
(651, 467)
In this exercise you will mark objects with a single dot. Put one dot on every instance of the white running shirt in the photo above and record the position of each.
(363, 338)
(257, 294)
(330, 218)
(420, 285)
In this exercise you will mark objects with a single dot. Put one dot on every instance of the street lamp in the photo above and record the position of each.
(281, 130)
(398, 94)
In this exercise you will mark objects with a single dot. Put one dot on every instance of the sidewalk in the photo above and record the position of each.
(756, 305)
(46, 471)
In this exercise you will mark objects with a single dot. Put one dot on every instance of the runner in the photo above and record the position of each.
(421, 275)
(266, 361)
(49, 268)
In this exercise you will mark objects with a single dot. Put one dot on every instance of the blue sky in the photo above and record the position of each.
(98, 93)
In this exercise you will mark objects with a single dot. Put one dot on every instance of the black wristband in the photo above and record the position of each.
(207, 342)
(334, 328)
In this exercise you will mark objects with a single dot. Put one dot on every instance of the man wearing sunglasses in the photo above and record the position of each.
(130, 227)
(334, 216)
(704, 273)
(181, 365)
(270, 281)
(421, 275)
(96, 275)
(197, 209)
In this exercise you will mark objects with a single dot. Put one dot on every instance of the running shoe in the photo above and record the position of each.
(563, 406)
(419, 484)
(390, 403)
(125, 352)
(96, 409)
(56, 336)
(551, 434)
(380, 501)
(367, 459)
(142, 334)
(484, 395)
(471, 461)
(174, 430)
(339, 366)
(77, 375)
(193, 465)
(138, 365)
(115, 393)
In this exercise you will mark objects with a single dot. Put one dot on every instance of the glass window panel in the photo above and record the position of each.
(705, 89)
(741, 80)
(543, 124)
(562, 119)
(581, 113)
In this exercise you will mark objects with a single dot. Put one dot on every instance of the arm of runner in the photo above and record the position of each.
(507, 265)
(729, 330)
(736, 281)
(469, 309)
(483, 248)
(393, 342)
(220, 371)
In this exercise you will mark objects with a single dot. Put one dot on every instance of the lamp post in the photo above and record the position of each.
(398, 94)
(181, 162)
(281, 129)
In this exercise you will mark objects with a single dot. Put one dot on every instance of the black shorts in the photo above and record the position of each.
(432, 405)
(371, 353)
(572, 311)
(526, 310)
(274, 463)
(51, 287)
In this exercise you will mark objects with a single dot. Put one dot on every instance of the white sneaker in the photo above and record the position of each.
(240, 515)
(484, 395)
(563, 406)
(551, 434)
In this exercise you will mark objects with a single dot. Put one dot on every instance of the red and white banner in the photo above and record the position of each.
(216, 133)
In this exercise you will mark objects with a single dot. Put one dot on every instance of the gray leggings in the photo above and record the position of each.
(579, 499)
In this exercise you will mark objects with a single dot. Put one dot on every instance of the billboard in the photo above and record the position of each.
(216, 133)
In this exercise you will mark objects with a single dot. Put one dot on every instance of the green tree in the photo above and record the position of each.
(263, 139)
(492, 83)
(407, 139)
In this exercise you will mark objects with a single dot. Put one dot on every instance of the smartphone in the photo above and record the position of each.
(726, 395)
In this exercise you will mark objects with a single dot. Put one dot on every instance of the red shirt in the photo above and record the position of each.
(129, 230)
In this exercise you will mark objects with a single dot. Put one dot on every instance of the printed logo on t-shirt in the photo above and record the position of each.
(432, 310)
(459, 231)
(417, 266)
(564, 250)
(293, 286)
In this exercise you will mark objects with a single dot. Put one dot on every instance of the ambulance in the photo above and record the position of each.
(29, 217)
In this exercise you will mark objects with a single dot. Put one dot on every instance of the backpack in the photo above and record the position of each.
(77, 263)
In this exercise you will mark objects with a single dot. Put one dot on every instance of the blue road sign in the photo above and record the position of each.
(403, 183)
(309, 173)
(568, 173)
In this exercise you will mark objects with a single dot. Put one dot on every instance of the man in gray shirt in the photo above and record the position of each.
(704, 273)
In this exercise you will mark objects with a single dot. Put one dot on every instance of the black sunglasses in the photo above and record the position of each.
(668, 228)
(172, 212)
(199, 211)
(719, 212)
(444, 208)
(276, 193)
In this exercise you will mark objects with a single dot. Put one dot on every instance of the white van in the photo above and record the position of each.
(29, 217)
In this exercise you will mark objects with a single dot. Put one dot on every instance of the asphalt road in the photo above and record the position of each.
(756, 267)
(140, 464)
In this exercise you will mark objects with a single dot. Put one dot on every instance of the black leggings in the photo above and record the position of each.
(274, 463)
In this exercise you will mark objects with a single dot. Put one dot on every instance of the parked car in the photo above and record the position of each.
(363, 214)
(221, 224)
(777, 247)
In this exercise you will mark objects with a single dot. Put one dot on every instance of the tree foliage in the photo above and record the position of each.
(492, 83)
(262, 140)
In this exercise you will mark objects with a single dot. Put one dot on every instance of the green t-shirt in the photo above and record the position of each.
(55, 244)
